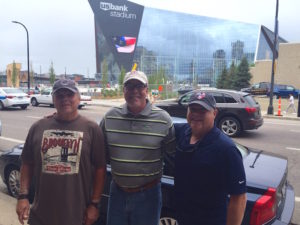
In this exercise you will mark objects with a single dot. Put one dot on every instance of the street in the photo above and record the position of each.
(276, 136)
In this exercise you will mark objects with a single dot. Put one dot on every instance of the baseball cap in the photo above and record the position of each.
(64, 84)
(136, 75)
(204, 99)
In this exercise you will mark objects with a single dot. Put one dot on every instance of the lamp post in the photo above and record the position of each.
(28, 74)
(275, 54)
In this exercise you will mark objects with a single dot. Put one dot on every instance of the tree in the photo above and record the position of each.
(52, 75)
(230, 76)
(104, 74)
(122, 75)
(14, 74)
(222, 79)
(242, 77)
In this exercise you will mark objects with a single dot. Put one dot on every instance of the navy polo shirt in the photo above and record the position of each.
(205, 174)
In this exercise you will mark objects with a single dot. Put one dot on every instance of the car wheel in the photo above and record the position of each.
(24, 107)
(80, 106)
(167, 221)
(230, 126)
(13, 181)
(1, 106)
(34, 102)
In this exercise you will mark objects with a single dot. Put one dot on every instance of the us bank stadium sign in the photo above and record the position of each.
(120, 11)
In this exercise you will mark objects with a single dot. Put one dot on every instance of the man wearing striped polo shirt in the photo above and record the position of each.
(137, 135)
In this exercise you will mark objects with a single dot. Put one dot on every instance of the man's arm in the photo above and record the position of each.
(102, 126)
(92, 213)
(170, 143)
(236, 209)
(23, 206)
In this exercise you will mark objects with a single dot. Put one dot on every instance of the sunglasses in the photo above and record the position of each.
(198, 110)
(61, 94)
(131, 87)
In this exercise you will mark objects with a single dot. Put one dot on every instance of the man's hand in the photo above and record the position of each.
(22, 210)
(91, 215)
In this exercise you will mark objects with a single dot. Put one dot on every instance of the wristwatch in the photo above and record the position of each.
(23, 196)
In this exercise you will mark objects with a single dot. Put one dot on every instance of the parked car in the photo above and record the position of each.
(13, 97)
(237, 111)
(184, 89)
(283, 90)
(261, 88)
(270, 198)
(45, 97)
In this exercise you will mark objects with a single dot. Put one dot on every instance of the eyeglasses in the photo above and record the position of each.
(131, 87)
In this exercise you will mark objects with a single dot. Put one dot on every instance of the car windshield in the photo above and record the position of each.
(13, 91)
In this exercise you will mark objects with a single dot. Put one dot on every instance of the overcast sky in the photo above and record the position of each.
(62, 31)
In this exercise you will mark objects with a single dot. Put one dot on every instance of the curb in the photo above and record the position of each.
(281, 117)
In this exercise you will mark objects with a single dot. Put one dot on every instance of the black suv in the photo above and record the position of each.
(237, 111)
(261, 88)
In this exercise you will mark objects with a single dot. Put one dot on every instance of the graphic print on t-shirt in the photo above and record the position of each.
(61, 151)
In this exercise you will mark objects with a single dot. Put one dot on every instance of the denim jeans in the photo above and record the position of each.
(140, 208)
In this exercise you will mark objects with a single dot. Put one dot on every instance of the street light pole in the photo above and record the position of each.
(275, 55)
(28, 74)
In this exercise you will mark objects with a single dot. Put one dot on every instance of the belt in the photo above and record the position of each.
(145, 187)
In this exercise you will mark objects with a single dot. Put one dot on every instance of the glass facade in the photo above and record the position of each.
(188, 48)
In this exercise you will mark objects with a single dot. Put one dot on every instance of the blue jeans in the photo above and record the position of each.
(140, 208)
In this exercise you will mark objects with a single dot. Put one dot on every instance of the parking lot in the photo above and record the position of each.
(277, 136)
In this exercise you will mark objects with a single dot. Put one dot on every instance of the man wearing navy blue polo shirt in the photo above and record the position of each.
(210, 182)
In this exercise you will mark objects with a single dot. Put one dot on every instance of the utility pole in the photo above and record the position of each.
(28, 73)
(275, 55)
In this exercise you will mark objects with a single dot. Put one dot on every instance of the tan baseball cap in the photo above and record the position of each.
(136, 75)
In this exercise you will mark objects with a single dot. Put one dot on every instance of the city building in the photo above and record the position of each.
(187, 48)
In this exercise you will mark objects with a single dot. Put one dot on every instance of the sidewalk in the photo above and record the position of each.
(120, 101)
(108, 102)
(286, 116)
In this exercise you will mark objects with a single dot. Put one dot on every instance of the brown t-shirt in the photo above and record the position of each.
(64, 156)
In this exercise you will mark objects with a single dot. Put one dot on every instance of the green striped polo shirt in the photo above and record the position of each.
(136, 144)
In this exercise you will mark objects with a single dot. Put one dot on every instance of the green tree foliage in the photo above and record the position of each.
(52, 75)
(122, 75)
(236, 77)
(14, 74)
(243, 76)
(121, 79)
(222, 79)
(158, 78)
(104, 73)
(230, 76)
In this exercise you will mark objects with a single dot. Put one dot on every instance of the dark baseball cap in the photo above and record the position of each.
(204, 99)
(64, 84)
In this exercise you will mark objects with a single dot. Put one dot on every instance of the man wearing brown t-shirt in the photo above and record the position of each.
(65, 154)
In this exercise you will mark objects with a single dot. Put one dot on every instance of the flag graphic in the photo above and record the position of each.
(124, 44)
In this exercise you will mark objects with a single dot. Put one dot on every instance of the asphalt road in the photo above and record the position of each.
(277, 136)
